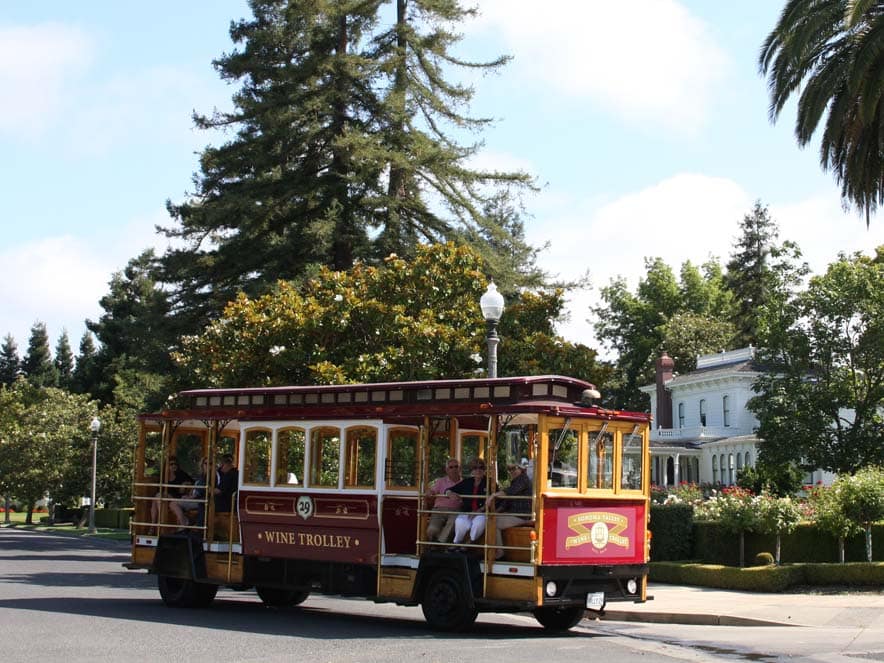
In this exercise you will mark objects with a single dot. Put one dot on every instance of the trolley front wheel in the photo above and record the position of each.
(559, 619)
(447, 602)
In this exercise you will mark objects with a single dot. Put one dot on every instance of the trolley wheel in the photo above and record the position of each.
(559, 619)
(178, 593)
(281, 597)
(447, 604)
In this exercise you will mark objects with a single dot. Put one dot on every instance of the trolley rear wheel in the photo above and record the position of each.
(178, 593)
(559, 619)
(447, 604)
(281, 597)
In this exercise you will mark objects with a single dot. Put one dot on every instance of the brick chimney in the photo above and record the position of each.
(664, 397)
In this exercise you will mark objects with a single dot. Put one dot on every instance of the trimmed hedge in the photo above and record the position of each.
(113, 518)
(676, 537)
(767, 578)
(672, 532)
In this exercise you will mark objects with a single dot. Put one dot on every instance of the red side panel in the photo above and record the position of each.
(303, 526)
(587, 531)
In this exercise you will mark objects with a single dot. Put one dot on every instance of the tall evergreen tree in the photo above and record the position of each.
(756, 271)
(339, 140)
(84, 379)
(37, 364)
(134, 331)
(10, 362)
(64, 360)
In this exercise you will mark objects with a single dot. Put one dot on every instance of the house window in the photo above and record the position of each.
(714, 469)
(726, 410)
(702, 411)
(746, 463)
(681, 415)
(723, 467)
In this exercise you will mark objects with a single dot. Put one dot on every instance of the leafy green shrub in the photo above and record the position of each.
(671, 528)
(856, 574)
(750, 579)
(764, 559)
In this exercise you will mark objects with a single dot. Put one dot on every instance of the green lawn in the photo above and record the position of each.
(18, 520)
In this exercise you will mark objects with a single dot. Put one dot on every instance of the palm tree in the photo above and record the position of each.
(835, 50)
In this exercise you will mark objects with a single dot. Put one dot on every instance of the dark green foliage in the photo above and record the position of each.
(135, 334)
(781, 481)
(37, 365)
(64, 361)
(10, 362)
(84, 379)
(824, 352)
(757, 272)
(339, 153)
(672, 530)
(679, 316)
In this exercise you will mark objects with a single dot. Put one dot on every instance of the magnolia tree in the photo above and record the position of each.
(777, 516)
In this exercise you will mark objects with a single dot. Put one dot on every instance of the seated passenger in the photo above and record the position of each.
(440, 525)
(194, 499)
(227, 484)
(471, 494)
(175, 476)
(513, 512)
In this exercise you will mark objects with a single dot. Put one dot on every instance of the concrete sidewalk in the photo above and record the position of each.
(676, 604)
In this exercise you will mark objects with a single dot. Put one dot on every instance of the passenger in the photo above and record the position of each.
(195, 499)
(226, 485)
(471, 494)
(175, 476)
(513, 512)
(441, 524)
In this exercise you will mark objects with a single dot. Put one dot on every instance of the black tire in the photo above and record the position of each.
(447, 602)
(281, 597)
(178, 593)
(559, 619)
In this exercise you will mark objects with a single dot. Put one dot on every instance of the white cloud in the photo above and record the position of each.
(59, 280)
(39, 66)
(649, 61)
(684, 217)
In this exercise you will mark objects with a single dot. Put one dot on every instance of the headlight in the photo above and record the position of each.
(631, 586)
(551, 588)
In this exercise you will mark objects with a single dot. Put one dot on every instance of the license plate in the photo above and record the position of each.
(595, 601)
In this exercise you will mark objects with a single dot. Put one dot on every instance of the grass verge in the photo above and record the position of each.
(17, 521)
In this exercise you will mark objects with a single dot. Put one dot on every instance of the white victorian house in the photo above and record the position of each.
(703, 431)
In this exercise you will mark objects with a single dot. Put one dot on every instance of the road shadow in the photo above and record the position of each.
(247, 616)
(116, 580)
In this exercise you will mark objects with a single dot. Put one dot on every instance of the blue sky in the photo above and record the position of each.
(645, 123)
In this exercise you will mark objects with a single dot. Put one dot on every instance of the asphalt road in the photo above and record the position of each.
(68, 599)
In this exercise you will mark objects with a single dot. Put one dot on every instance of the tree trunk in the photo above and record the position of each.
(868, 542)
(6, 505)
(29, 519)
(841, 549)
(778, 549)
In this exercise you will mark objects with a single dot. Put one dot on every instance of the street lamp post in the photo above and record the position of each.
(491, 304)
(95, 426)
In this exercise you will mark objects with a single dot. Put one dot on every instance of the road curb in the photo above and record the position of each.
(689, 618)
